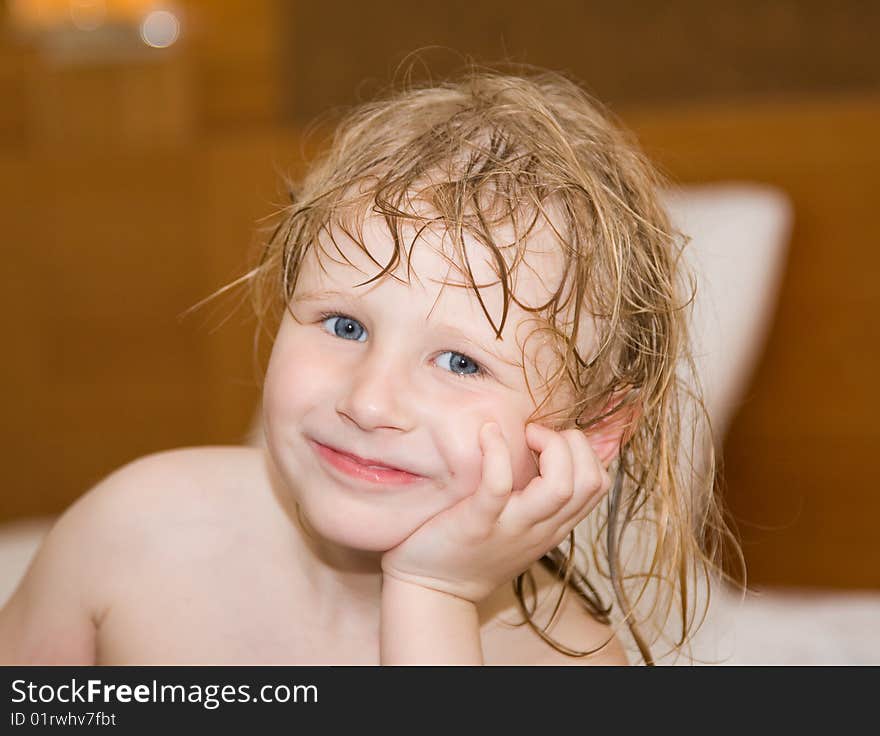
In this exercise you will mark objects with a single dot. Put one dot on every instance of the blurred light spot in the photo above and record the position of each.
(88, 15)
(160, 29)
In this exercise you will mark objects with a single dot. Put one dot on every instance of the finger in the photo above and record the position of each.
(581, 513)
(496, 481)
(590, 478)
(552, 489)
(590, 482)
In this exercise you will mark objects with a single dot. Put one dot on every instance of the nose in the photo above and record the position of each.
(377, 395)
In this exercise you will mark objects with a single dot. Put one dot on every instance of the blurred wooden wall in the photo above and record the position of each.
(631, 54)
(800, 454)
(130, 191)
(130, 187)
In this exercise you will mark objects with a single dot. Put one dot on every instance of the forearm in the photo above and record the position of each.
(424, 626)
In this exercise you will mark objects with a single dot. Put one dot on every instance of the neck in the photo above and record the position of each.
(342, 584)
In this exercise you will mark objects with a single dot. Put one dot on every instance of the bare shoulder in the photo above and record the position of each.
(182, 475)
(192, 501)
(509, 640)
(182, 487)
(89, 554)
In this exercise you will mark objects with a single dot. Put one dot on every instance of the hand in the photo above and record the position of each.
(493, 535)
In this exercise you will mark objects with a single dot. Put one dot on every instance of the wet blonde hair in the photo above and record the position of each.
(487, 148)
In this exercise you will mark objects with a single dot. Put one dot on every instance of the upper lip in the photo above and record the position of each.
(367, 460)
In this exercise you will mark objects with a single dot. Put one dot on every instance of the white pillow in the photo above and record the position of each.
(739, 240)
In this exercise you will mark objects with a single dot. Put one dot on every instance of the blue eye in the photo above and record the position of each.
(345, 327)
(460, 362)
(349, 328)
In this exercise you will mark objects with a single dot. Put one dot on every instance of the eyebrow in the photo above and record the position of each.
(460, 334)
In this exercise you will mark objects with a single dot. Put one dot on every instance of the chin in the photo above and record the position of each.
(368, 530)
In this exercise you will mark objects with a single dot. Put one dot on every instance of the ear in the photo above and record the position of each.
(608, 435)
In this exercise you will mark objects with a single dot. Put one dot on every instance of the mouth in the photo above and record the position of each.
(363, 468)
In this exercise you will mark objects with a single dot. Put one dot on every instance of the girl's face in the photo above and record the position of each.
(402, 374)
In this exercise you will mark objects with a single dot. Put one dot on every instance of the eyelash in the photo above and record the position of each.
(480, 373)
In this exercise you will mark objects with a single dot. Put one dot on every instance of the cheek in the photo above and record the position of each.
(459, 437)
(295, 380)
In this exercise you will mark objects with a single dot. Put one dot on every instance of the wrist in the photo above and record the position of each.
(423, 625)
(393, 584)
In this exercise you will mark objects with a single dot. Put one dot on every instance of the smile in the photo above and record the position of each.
(352, 468)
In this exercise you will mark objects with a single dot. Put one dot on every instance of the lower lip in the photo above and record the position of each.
(345, 464)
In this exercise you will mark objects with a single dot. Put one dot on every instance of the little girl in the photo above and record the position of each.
(479, 343)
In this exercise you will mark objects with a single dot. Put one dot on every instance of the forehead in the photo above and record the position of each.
(352, 253)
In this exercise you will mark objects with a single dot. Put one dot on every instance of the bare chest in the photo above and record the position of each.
(222, 614)
(190, 633)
